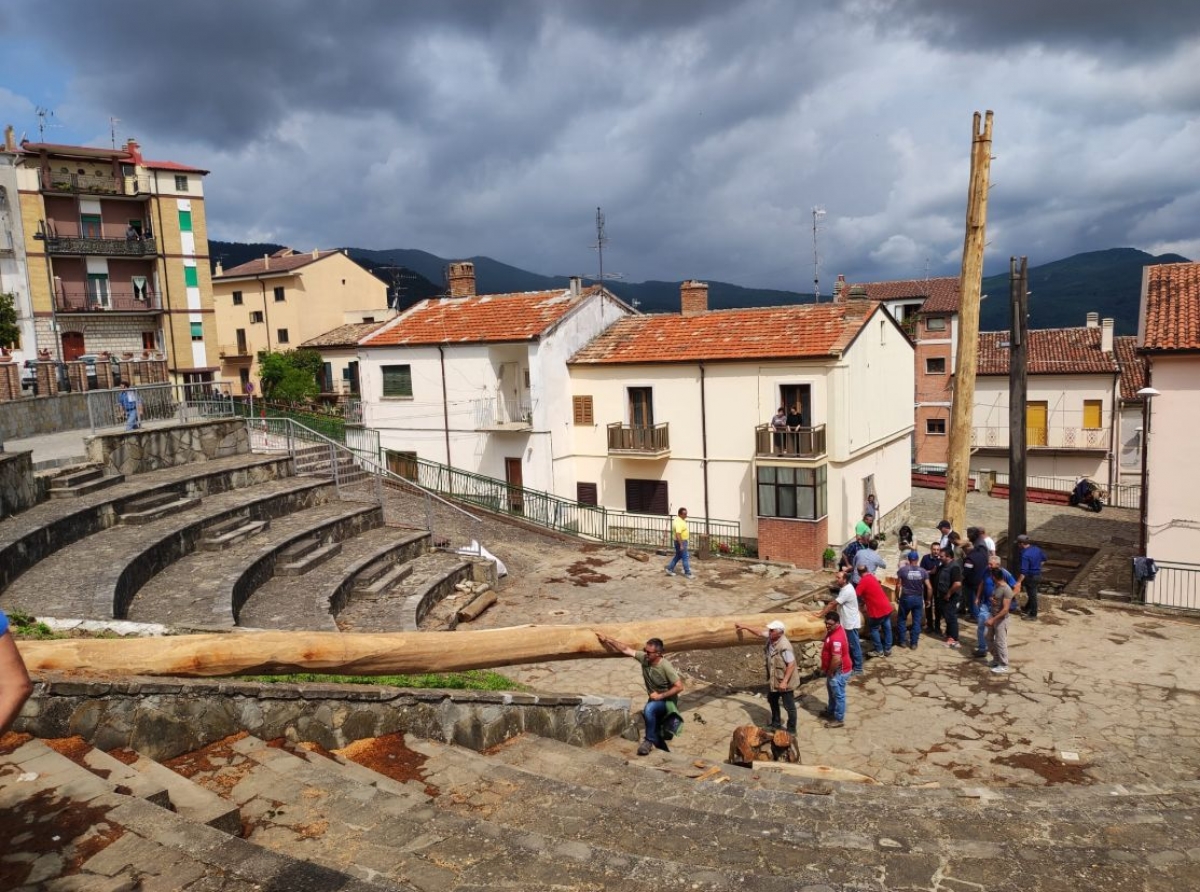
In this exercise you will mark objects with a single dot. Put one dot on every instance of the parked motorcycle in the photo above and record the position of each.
(1088, 494)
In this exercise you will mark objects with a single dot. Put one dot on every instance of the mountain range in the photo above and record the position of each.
(1062, 292)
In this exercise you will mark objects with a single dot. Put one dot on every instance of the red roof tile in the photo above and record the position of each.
(940, 293)
(1050, 351)
(1172, 307)
(788, 332)
(485, 318)
(277, 265)
(1133, 367)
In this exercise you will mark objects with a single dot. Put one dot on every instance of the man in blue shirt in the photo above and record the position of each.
(975, 569)
(1030, 574)
(915, 590)
(129, 402)
(868, 557)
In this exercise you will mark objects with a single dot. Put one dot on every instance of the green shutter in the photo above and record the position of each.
(185, 221)
(197, 330)
(397, 380)
(191, 278)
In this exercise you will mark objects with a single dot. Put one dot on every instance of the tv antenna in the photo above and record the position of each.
(598, 247)
(45, 119)
(817, 214)
(112, 129)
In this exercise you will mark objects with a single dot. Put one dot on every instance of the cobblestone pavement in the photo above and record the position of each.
(1098, 693)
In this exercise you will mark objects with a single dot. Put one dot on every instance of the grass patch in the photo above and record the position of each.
(472, 680)
(22, 625)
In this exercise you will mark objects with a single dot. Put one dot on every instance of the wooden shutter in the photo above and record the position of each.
(587, 494)
(1093, 411)
(397, 380)
(582, 406)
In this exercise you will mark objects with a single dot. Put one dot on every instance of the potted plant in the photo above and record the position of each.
(828, 558)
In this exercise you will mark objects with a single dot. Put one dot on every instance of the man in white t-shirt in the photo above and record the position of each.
(844, 600)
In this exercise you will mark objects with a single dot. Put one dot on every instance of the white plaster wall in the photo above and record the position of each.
(891, 465)
(1173, 509)
(14, 273)
(1129, 444)
(1064, 395)
(872, 391)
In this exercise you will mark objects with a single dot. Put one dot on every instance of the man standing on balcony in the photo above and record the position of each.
(779, 427)
(129, 401)
(679, 530)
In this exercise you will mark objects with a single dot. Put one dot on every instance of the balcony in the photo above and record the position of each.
(639, 441)
(498, 415)
(1062, 437)
(81, 299)
(803, 443)
(234, 352)
(86, 184)
(105, 241)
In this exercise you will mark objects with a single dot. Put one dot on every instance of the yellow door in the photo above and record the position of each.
(1036, 415)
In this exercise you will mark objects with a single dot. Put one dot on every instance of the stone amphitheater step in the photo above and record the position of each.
(307, 554)
(123, 777)
(231, 532)
(403, 605)
(65, 828)
(206, 590)
(380, 583)
(120, 560)
(80, 483)
(147, 509)
(898, 841)
(286, 603)
(35, 534)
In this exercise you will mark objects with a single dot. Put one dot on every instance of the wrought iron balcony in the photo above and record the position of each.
(87, 184)
(81, 299)
(639, 441)
(502, 414)
(101, 246)
(799, 443)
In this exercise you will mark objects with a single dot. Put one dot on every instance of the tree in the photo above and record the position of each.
(10, 334)
(290, 376)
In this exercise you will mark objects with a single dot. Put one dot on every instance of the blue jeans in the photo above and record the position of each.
(836, 686)
(985, 613)
(654, 713)
(874, 625)
(131, 419)
(681, 554)
(856, 659)
(914, 605)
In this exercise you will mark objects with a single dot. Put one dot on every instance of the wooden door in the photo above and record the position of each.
(641, 407)
(512, 474)
(72, 345)
(402, 464)
(1036, 417)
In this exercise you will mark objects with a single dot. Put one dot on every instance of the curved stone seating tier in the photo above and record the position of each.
(313, 602)
(96, 578)
(402, 607)
(35, 534)
(207, 590)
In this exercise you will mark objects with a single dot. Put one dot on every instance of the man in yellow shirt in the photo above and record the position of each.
(679, 529)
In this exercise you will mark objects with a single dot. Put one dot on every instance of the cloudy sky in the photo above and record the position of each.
(708, 130)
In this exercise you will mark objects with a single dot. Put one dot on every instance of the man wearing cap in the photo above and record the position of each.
(915, 588)
(1030, 574)
(845, 601)
(782, 677)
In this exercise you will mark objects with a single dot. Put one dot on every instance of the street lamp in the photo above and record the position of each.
(1147, 394)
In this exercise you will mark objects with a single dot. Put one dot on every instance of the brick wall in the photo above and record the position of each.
(802, 542)
(693, 298)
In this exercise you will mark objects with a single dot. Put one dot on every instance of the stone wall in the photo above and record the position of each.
(136, 452)
(18, 488)
(31, 416)
(164, 718)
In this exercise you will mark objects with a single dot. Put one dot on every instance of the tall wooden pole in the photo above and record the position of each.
(970, 282)
(1018, 277)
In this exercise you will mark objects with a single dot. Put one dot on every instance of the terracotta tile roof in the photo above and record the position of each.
(788, 332)
(940, 293)
(485, 318)
(173, 165)
(277, 265)
(1133, 367)
(1172, 307)
(1051, 351)
(344, 335)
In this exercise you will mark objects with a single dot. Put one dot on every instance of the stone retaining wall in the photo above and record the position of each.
(31, 416)
(136, 452)
(164, 718)
(18, 487)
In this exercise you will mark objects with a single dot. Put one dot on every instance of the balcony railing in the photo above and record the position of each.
(88, 184)
(492, 414)
(101, 245)
(800, 443)
(234, 351)
(648, 441)
(79, 299)
(1061, 437)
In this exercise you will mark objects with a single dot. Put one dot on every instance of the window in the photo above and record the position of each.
(646, 496)
(256, 316)
(185, 221)
(1093, 414)
(935, 365)
(190, 277)
(281, 335)
(141, 288)
(935, 323)
(149, 340)
(582, 406)
(587, 494)
(935, 426)
(278, 293)
(242, 350)
(90, 225)
(98, 290)
(526, 378)
(237, 298)
(792, 492)
(181, 183)
(197, 331)
(397, 381)
(641, 407)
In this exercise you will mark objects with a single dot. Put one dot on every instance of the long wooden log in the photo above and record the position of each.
(282, 653)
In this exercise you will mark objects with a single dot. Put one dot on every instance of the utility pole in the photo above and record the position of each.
(970, 282)
(1018, 278)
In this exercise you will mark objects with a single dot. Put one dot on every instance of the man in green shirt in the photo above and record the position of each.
(663, 686)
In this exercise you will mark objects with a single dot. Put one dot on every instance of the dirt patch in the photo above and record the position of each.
(583, 572)
(1048, 768)
(391, 757)
(731, 669)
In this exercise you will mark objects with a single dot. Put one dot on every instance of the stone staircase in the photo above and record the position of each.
(400, 812)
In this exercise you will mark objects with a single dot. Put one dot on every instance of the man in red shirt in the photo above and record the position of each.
(835, 666)
(879, 610)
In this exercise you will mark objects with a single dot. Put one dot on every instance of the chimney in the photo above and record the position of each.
(134, 150)
(10, 139)
(1106, 336)
(220, 269)
(576, 286)
(460, 277)
(1093, 320)
(693, 297)
(858, 292)
(839, 289)
(266, 261)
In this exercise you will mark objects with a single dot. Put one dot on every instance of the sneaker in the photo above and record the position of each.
(999, 670)
(979, 654)
(644, 749)
(887, 653)
(688, 576)
(950, 642)
(670, 572)
(835, 723)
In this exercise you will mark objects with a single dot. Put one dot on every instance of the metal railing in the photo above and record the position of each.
(80, 298)
(1176, 585)
(331, 426)
(490, 412)
(109, 247)
(1058, 437)
(53, 181)
(634, 438)
(803, 442)
(161, 402)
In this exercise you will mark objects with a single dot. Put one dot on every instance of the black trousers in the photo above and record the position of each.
(788, 698)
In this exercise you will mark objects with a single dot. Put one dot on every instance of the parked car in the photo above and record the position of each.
(28, 374)
(91, 359)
